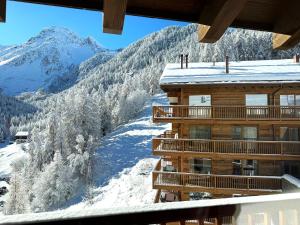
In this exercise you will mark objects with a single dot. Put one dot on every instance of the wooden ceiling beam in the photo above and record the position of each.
(284, 41)
(114, 15)
(288, 25)
(2, 10)
(226, 14)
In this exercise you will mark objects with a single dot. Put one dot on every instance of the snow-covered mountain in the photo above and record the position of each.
(54, 53)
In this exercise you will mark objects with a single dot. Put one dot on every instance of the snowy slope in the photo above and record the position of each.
(8, 155)
(53, 53)
(125, 163)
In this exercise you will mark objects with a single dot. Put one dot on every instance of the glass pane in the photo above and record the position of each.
(287, 100)
(200, 132)
(250, 133)
(298, 100)
(293, 134)
(201, 166)
(284, 135)
(256, 100)
(236, 133)
(200, 100)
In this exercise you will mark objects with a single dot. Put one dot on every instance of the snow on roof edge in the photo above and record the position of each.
(244, 72)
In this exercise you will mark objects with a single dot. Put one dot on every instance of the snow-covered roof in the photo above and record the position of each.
(263, 71)
(22, 133)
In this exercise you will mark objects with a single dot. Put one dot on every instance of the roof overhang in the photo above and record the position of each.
(278, 16)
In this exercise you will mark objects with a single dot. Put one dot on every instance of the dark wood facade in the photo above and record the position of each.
(234, 162)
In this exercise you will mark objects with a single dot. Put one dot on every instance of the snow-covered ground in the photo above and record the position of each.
(8, 154)
(125, 162)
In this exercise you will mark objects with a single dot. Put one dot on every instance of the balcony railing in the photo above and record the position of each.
(227, 112)
(167, 143)
(280, 209)
(215, 183)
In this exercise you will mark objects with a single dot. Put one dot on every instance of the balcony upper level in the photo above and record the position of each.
(223, 114)
(167, 145)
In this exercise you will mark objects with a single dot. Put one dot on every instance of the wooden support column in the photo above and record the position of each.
(2, 10)
(113, 16)
(228, 11)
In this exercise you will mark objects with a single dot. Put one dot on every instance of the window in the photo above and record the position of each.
(236, 133)
(200, 132)
(257, 105)
(200, 100)
(244, 133)
(249, 133)
(256, 100)
(289, 100)
(289, 134)
(202, 166)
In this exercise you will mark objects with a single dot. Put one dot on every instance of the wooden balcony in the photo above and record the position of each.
(167, 145)
(280, 209)
(225, 113)
(215, 184)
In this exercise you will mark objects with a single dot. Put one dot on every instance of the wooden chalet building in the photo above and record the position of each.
(235, 129)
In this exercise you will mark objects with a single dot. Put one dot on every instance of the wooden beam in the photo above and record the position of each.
(113, 16)
(284, 41)
(287, 26)
(227, 13)
(2, 10)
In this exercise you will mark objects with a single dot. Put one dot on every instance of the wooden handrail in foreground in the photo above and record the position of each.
(239, 209)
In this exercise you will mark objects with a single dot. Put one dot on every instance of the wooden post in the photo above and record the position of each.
(249, 218)
(2, 10)
(296, 58)
(266, 219)
(219, 221)
(227, 63)
(281, 218)
(181, 61)
(114, 15)
(201, 221)
(187, 61)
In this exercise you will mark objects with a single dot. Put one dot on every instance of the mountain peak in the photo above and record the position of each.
(55, 34)
(53, 53)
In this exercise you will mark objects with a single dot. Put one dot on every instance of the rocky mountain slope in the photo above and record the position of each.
(49, 59)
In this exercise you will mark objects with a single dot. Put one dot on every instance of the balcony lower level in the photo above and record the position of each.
(168, 145)
(215, 184)
(218, 113)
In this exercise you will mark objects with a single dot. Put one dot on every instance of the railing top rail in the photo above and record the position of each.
(226, 176)
(230, 106)
(229, 141)
(156, 213)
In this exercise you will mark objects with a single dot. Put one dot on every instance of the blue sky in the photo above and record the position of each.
(26, 20)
